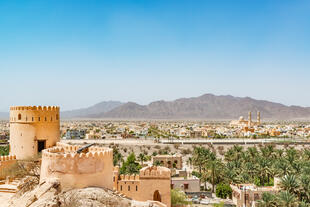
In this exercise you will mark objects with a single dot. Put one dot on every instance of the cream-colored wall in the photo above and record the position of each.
(74, 170)
(193, 184)
(5, 163)
(149, 186)
(25, 133)
(148, 181)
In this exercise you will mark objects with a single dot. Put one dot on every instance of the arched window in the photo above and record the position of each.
(39, 118)
(57, 116)
(128, 187)
(136, 188)
(32, 119)
(121, 187)
(45, 119)
(19, 117)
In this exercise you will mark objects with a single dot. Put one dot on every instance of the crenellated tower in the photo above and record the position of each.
(33, 129)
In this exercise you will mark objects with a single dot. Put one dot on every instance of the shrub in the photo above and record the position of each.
(223, 190)
(176, 146)
(178, 198)
(4, 150)
(157, 147)
(186, 151)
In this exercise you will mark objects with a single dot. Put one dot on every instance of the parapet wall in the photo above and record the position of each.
(94, 168)
(5, 163)
(34, 114)
(155, 172)
(40, 108)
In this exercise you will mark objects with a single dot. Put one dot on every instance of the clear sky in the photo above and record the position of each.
(77, 53)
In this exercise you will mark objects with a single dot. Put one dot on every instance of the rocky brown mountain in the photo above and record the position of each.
(207, 106)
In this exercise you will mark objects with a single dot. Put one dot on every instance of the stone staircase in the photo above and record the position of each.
(9, 187)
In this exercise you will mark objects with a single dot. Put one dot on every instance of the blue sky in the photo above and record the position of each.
(77, 53)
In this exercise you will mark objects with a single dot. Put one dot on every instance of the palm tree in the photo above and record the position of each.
(142, 158)
(268, 200)
(200, 157)
(289, 183)
(214, 167)
(303, 204)
(286, 199)
(283, 167)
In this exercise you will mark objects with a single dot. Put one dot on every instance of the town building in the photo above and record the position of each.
(186, 184)
(169, 161)
(246, 195)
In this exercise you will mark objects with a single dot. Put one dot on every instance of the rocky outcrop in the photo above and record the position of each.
(49, 194)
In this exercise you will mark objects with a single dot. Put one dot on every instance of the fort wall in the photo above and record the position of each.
(5, 163)
(94, 168)
(152, 183)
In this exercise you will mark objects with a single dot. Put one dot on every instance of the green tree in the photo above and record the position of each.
(117, 156)
(268, 200)
(142, 158)
(286, 199)
(223, 191)
(289, 183)
(178, 198)
(130, 166)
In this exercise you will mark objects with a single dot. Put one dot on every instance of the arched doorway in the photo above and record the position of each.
(157, 196)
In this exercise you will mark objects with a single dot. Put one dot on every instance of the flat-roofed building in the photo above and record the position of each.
(246, 195)
(169, 161)
(188, 185)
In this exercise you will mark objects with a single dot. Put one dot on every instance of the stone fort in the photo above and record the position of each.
(35, 130)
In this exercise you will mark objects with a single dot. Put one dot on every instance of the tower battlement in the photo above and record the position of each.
(155, 172)
(34, 108)
(34, 114)
(91, 168)
(69, 153)
(7, 158)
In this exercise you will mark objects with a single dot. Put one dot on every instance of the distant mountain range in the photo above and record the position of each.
(208, 106)
(92, 111)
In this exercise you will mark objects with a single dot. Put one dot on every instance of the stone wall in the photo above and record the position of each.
(30, 125)
(5, 163)
(152, 183)
(94, 168)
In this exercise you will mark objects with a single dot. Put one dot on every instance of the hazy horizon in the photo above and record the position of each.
(78, 53)
(7, 110)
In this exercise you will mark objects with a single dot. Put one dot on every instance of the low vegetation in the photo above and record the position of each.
(4, 150)
(259, 165)
(178, 198)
